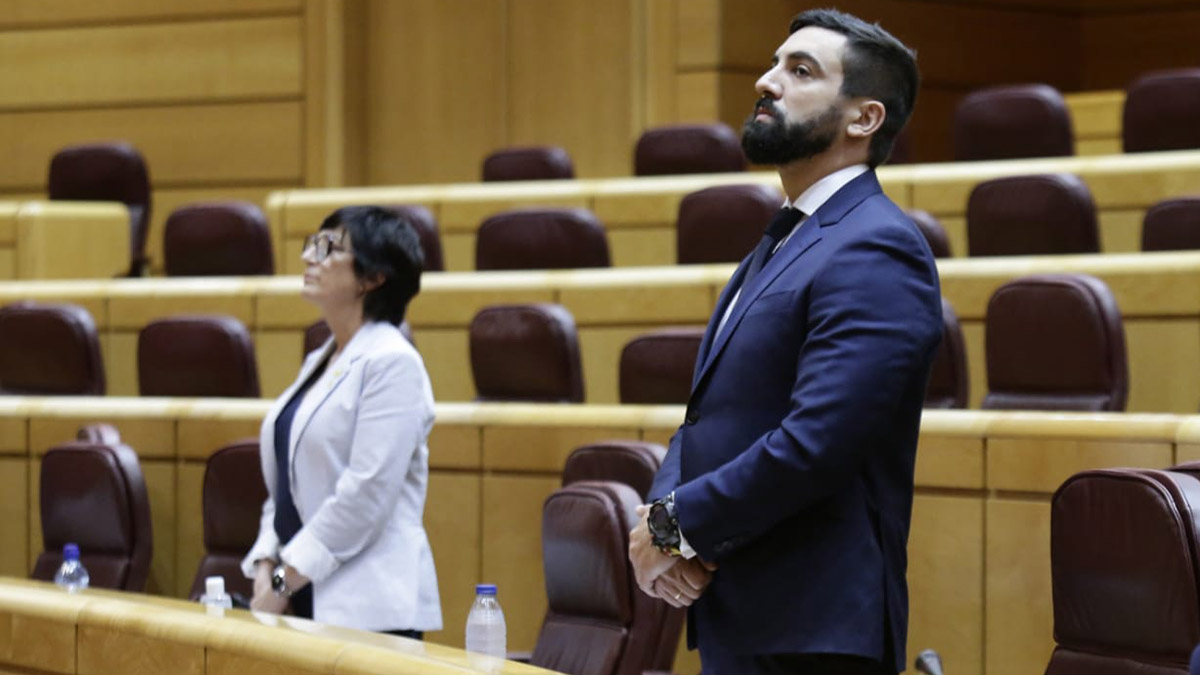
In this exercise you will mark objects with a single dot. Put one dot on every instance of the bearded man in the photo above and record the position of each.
(780, 516)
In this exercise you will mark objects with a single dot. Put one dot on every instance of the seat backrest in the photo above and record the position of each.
(217, 239)
(526, 353)
(1044, 214)
(318, 332)
(949, 380)
(425, 224)
(536, 239)
(631, 463)
(113, 172)
(98, 432)
(1055, 342)
(197, 355)
(1161, 109)
(233, 498)
(935, 233)
(49, 349)
(1125, 572)
(544, 162)
(688, 148)
(1007, 122)
(598, 622)
(93, 494)
(1172, 225)
(723, 223)
(657, 367)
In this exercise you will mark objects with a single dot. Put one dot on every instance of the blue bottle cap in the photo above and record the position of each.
(71, 552)
(485, 589)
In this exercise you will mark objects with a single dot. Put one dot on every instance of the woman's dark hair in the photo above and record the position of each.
(875, 65)
(384, 243)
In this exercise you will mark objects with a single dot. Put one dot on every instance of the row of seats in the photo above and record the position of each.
(1054, 342)
(93, 494)
(1032, 120)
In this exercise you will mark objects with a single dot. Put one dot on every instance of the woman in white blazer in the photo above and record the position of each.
(343, 449)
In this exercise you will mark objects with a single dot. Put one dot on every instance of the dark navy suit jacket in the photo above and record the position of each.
(794, 467)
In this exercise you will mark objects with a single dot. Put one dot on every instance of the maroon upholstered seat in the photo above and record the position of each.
(233, 498)
(197, 356)
(597, 622)
(1172, 225)
(535, 239)
(1161, 109)
(723, 223)
(426, 226)
(529, 163)
(526, 353)
(688, 148)
(949, 380)
(1045, 214)
(93, 494)
(1055, 342)
(49, 349)
(1007, 122)
(217, 239)
(318, 332)
(934, 233)
(113, 172)
(1124, 564)
(657, 367)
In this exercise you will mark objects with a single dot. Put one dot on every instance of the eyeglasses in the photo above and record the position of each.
(324, 243)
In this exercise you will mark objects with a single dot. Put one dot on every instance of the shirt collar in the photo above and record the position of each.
(819, 192)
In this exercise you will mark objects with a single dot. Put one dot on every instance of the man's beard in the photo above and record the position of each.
(781, 142)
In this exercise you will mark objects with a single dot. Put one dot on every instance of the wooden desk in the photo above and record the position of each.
(63, 240)
(979, 567)
(1158, 293)
(640, 213)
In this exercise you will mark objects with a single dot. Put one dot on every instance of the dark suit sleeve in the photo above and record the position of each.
(667, 477)
(873, 322)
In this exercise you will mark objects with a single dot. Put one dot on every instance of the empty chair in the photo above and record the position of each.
(232, 498)
(93, 494)
(934, 233)
(526, 353)
(1045, 214)
(530, 163)
(1172, 225)
(632, 463)
(657, 367)
(318, 332)
(1007, 122)
(426, 226)
(688, 148)
(1123, 562)
(536, 239)
(49, 349)
(1055, 342)
(597, 621)
(112, 172)
(1161, 110)
(217, 239)
(948, 380)
(723, 223)
(197, 356)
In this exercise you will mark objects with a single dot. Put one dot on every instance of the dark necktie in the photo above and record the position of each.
(783, 223)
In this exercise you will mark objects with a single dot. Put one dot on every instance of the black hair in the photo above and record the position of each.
(875, 65)
(385, 243)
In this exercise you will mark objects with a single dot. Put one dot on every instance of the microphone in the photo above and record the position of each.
(1194, 668)
(930, 663)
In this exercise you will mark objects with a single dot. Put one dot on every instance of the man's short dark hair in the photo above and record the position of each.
(386, 244)
(875, 65)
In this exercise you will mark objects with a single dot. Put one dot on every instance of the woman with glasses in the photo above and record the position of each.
(343, 449)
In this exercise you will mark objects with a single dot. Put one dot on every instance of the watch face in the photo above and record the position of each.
(278, 581)
(659, 520)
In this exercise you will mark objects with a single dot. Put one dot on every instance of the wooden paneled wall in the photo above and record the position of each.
(226, 100)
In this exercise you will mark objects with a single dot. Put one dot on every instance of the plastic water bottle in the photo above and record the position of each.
(71, 575)
(486, 633)
(215, 598)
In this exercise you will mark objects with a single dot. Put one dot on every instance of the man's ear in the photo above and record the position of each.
(871, 114)
(370, 283)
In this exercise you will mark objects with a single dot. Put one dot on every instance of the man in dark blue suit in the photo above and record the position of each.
(781, 512)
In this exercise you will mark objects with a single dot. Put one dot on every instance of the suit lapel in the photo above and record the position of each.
(325, 385)
(723, 300)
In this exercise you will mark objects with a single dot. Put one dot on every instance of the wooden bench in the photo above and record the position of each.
(63, 240)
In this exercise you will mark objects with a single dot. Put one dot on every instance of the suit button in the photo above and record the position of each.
(691, 417)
